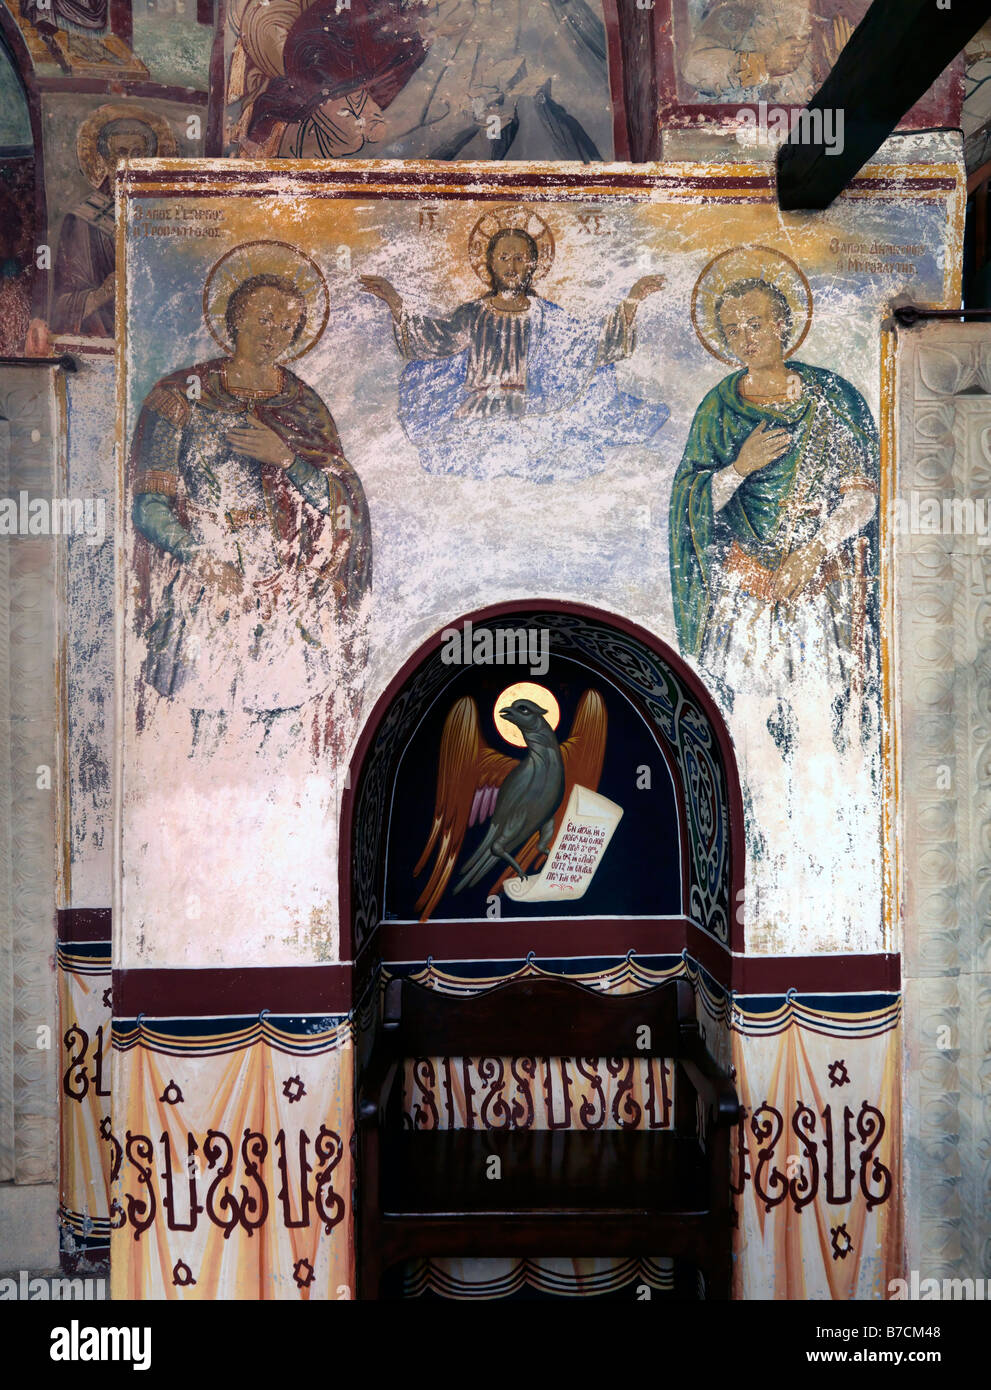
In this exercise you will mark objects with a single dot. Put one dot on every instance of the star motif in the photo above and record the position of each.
(841, 1242)
(293, 1089)
(302, 1272)
(182, 1275)
(108, 997)
(838, 1074)
(172, 1094)
(106, 1128)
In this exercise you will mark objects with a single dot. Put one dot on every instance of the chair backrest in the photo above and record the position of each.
(539, 1016)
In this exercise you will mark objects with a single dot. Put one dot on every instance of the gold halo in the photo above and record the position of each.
(524, 690)
(91, 161)
(265, 258)
(750, 263)
(510, 217)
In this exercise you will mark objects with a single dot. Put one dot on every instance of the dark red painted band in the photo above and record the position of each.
(77, 924)
(829, 974)
(213, 141)
(240, 180)
(446, 176)
(329, 988)
(288, 989)
(504, 940)
(126, 87)
(514, 939)
(120, 19)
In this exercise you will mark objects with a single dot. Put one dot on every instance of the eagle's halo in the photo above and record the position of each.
(524, 690)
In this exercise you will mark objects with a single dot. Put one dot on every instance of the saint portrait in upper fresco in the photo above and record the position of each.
(254, 542)
(446, 79)
(764, 50)
(509, 383)
(774, 505)
(774, 578)
(84, 288)
(75, 16)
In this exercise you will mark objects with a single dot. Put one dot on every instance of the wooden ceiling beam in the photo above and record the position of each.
(894, 56)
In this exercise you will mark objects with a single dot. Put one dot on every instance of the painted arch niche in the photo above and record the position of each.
(648, 824)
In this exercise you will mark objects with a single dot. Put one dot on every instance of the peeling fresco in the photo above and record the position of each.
(800, 691)
(352, 404)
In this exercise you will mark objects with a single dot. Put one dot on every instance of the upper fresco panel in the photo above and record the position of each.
(716, 57)
(447, 79)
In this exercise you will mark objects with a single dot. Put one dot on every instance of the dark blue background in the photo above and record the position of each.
(639, 874)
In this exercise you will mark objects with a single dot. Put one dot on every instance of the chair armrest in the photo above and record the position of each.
(376, 1083)
(711, 1083)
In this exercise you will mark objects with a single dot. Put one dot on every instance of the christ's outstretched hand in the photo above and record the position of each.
(646, 286)
(383, 289)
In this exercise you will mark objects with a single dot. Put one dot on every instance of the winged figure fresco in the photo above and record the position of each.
(523, 799)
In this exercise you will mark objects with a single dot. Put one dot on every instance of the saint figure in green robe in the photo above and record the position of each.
(773, 536)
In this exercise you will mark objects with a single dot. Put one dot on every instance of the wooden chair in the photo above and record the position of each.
(561, 1192)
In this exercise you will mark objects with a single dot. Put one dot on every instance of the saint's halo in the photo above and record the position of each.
(748, 265)
(524, 690)
(277, 258)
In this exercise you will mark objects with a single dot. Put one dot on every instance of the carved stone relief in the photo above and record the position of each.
(939, 525)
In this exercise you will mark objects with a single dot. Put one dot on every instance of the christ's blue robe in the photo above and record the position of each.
(490, 393)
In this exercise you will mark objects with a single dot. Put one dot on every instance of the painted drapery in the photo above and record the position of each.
(815, 1159)
(817, 1163)
(231, 1161)
(84, 1166)
(538, 1093)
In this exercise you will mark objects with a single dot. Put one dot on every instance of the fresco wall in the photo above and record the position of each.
(85, 644)
(619, 477)
(30, 409)
(74, 102)
(441, 81)
(297, 518)
(639, 309)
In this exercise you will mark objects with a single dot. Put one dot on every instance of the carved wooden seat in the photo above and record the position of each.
(522, 1192)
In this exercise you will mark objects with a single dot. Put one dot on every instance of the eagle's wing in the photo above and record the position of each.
(583, 753)
(469, 774)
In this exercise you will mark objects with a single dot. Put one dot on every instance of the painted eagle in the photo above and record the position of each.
(472, 787)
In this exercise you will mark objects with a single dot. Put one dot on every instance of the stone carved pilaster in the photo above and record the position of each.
(943, 692)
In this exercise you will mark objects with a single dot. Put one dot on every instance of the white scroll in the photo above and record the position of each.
(576, 853)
